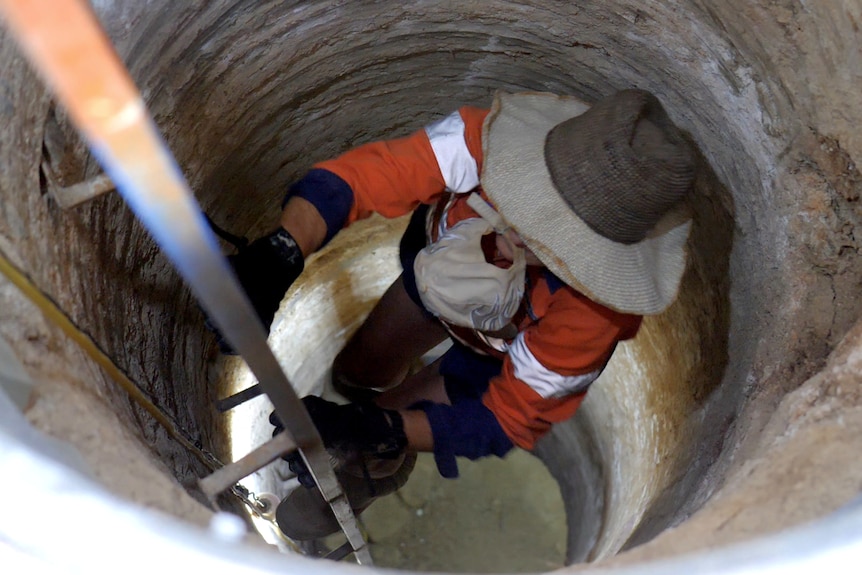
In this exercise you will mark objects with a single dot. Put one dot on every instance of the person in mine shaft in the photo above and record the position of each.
(542, 231)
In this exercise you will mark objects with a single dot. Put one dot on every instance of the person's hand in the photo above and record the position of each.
(359, 428)
(266, 268)
(294, 458)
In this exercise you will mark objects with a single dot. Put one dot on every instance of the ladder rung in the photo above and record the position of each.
(70, 196)
(339, 553)
(227, 476)
(155, 189)
(232, 401)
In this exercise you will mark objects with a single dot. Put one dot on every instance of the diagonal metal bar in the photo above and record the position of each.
(225, 477)
(340, 552)
(238, 398)
(67, 46)
(68, 197)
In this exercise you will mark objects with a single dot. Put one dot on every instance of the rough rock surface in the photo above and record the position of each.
(706, 415)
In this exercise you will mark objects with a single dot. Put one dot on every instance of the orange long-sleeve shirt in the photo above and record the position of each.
(564, 341)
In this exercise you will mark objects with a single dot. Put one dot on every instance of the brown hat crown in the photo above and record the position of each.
(621, 165)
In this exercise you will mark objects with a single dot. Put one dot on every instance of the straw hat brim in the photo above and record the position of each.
(641, 278)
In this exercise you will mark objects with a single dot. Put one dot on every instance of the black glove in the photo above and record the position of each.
(266, 268)
(362, 428)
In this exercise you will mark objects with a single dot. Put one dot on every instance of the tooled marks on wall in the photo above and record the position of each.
(824, 242)
(831, 210)
(93, 261)
(817, 197)
(825, 228)
(815, 173)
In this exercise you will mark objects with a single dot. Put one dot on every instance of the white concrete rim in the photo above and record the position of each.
(88, 530)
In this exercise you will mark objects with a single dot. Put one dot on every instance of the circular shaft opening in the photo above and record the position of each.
(735, 402)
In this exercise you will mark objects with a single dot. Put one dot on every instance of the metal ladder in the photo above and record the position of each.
(65, 43)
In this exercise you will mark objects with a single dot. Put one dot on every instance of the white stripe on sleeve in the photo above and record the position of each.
(457, 165)
(548, 384)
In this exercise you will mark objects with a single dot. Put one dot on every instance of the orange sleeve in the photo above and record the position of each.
(577, 335)
(522, 413)
(389, 177)
(474, 119)
(575, 338)
(393, 177)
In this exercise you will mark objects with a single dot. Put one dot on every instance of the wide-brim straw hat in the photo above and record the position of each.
(606, 190)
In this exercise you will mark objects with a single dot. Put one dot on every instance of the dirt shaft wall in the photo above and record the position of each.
(248, 95)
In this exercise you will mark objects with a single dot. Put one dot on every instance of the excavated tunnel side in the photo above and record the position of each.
(730, 416)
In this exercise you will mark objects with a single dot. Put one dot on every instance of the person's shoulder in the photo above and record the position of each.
(567, 297)
(474, 119)
(473, 116)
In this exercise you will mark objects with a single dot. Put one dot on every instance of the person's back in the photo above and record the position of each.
(542, 231)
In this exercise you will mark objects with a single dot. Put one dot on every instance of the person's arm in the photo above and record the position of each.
(468, 429)
(305, 224)
(418, 430)
(390, 178)
(551, 364)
